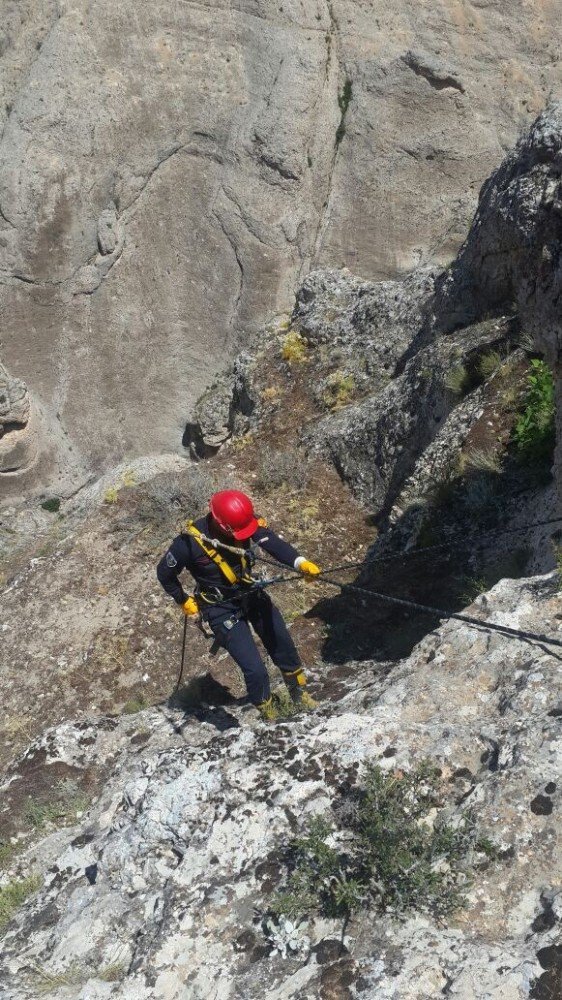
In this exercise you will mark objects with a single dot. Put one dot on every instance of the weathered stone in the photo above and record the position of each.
(211, 161)
(182, 827)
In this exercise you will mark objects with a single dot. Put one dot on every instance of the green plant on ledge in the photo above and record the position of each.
(391, 850)
(293, 348)
(534, 431)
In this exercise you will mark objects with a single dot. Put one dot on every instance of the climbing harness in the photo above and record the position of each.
(210, 547)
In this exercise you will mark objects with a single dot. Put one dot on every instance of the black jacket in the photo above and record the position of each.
(186, 553)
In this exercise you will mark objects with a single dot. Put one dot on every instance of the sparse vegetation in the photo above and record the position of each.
(67, 800)
(136, 704)
(14, 894)
(111, 494)
(7, 852)
(457, 380)
(534, 431)
(391, 849)
(19, 727)
(270, 393)
(344, 100)
(472, 588)
(52, 505)
(45, 982)
(293, 348)
(338, 389)
(38, 815)
(481, 460)
(488, 364)
(128, 479)
(281, 468)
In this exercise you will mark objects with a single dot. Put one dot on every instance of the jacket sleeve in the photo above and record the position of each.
(275, 546)
(176, 559)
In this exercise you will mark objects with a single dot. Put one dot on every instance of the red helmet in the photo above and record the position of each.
(234, 513)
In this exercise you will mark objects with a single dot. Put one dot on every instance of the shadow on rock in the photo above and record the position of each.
(205, 699)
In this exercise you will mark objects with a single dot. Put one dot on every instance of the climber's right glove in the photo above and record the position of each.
(307, 567)
(190, 607)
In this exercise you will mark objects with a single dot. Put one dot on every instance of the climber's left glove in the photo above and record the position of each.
(307, 567)
(190, 607)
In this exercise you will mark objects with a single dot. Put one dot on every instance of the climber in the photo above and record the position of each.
(227, 599)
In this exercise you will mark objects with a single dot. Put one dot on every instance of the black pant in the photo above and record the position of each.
(267, 621)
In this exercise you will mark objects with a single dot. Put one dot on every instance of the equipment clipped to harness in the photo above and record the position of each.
(226, 569)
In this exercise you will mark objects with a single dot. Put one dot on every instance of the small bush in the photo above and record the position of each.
(481, 460)
(52, 505)
(344, 100)
(457, 380)
(136, 704)
(472, 588)
(488, 364)
(534, 431)
(111, 494)
(391, 850)
(293, 348)
(338, 390)
(129, 479)
(281, 468)
(14, 894)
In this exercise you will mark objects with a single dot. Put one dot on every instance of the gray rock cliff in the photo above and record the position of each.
(167, 176)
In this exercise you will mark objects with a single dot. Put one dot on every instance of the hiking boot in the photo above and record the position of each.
(295, 681)
(268, 710)
(307, 701)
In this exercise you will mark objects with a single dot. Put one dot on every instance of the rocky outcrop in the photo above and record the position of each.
(18, 441)
(163, 885)
(164, 190)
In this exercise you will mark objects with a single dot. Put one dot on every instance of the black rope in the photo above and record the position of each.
(180, 675)
(459, 542)
(513, 633)
(427, 609)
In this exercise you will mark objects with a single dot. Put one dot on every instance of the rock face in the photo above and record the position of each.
(164, 885)
(164, 188)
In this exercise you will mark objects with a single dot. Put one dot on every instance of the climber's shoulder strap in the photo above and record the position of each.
(225, 568)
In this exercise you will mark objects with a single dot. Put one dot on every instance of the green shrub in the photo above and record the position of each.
(534, 431)
(293, 348)
(52, 505)
(457, 380)
(136, 704)
(277, 468)
(344, 100)
(338, 390)
(391, 850)
(481, 460)
(487, 364)
(14, 894)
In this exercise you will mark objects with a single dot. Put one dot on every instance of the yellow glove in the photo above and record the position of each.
(190, 607)
(309, 568)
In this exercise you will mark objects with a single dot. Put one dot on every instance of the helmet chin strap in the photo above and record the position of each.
(220, 527)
